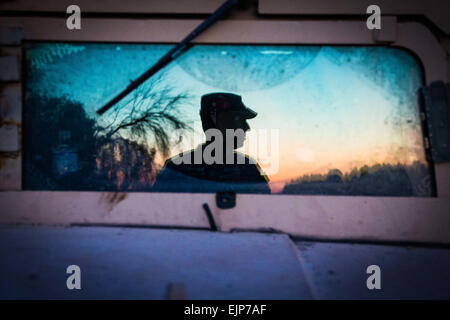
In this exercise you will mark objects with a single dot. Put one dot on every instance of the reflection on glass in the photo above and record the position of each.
(347, 117)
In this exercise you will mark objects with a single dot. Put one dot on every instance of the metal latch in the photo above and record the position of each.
(436, 101)
(226, 199)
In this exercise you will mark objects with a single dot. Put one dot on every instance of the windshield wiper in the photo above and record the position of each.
(171, 55)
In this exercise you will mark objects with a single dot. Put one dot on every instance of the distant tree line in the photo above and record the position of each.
(376, 180)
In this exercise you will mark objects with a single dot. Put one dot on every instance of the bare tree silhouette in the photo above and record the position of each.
(151, 114)
(116, 153)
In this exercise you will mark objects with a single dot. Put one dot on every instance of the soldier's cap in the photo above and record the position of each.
(212, 103)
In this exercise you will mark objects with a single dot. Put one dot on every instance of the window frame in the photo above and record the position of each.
(313, 217)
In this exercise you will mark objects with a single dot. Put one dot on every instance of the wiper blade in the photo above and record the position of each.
(171, 55)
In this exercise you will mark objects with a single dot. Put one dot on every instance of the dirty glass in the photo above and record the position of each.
(331, 120)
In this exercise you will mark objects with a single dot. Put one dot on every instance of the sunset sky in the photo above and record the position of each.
(334, 107)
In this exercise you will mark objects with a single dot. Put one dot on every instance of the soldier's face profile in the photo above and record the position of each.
(231, 120)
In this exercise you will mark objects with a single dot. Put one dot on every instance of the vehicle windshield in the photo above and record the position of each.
(330, 120)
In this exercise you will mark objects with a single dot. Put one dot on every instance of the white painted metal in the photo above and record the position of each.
(338, 271)
(318, 217)
(120, 263)
(10, 68)
(130, 263)
(9, 138)
(435, 10)
(396, 219)
(129, 6)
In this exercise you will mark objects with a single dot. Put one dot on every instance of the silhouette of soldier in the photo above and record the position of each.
(228, 170)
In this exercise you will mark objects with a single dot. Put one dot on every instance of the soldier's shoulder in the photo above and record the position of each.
(179, 158)
(252, 168)
(244, 158)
